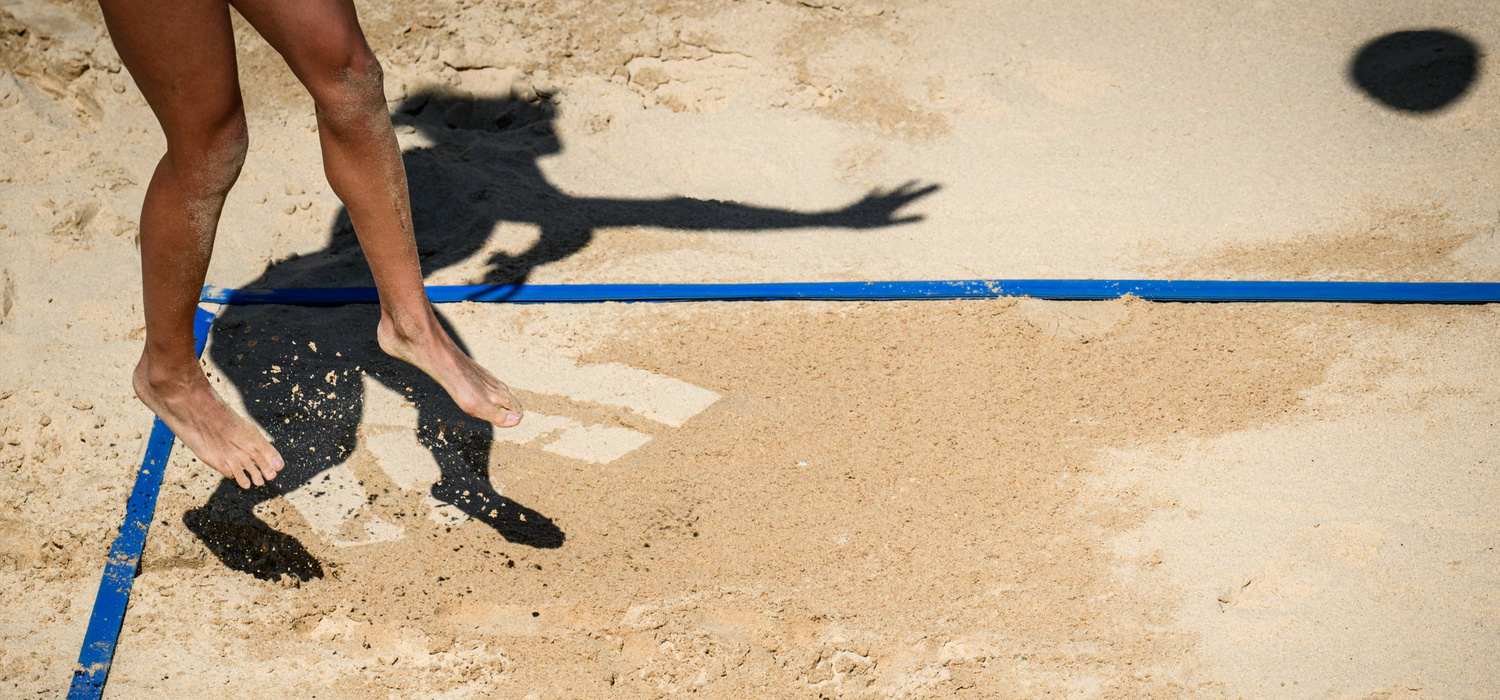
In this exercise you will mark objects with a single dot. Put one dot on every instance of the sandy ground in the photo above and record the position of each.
(1007, 498)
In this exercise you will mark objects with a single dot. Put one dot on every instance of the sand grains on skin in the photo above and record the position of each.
(470, 385)
(206, 425)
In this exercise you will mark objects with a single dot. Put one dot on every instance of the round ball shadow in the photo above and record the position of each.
(1416, 71)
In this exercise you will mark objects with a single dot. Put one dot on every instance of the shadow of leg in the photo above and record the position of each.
(463, 456)
(516, 523)
(228, 527)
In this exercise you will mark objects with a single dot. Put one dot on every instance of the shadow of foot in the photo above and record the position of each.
(515, 522)
(255, 549)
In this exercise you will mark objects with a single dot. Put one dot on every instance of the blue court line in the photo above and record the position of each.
(125, 553)
(1070, 290)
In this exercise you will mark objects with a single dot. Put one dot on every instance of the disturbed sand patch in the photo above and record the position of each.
(888, 499)
(1298, 550)
(1382, 241)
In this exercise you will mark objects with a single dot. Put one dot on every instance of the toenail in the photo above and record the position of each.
(512, 417)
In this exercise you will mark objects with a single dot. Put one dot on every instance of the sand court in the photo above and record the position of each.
(1004, 498)
(1013, 515)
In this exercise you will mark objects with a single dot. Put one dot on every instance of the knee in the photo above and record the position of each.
(211, 163)
(350, 90)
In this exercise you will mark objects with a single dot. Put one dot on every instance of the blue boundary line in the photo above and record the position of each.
(125, 553)
(1071, 290)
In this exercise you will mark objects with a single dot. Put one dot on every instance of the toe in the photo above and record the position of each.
(234, 471)
(264, 465)
(242, 469)
(510, 410)
(253, 470)
(505, 411)
(500, 409)
(270, 462)
(507, 400)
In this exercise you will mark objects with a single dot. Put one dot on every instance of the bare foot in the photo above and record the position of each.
(473, 388)
(191, 408)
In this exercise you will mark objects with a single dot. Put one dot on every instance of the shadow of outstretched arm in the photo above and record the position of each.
(564, 235)
(479, 167)
(877, 209)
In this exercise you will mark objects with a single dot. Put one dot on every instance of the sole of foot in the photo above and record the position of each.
(193, 410)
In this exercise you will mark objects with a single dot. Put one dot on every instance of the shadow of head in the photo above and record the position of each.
(473, 164)
(1416, 71)
(444, 114)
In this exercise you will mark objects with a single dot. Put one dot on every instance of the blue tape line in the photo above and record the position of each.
(125, 553)
(1076, 290)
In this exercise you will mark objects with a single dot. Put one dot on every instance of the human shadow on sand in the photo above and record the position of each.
(300, 371)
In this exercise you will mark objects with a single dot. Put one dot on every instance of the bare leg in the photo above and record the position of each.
(181, 54)
(322, 42)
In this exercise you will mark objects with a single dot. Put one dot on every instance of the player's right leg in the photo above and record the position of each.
(181, 55)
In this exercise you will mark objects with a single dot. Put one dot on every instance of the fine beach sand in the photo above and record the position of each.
(1007, 498)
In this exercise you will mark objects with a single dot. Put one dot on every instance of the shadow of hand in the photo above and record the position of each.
(878, 208)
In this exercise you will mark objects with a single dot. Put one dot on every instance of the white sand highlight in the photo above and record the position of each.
(403, 459)
(390, 421)
(543, 370)
(333, 500)
(599, 444)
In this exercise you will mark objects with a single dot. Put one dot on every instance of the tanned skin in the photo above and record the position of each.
(181, 55)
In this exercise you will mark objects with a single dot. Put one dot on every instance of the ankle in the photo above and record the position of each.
(163, 376)
(410, 327)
